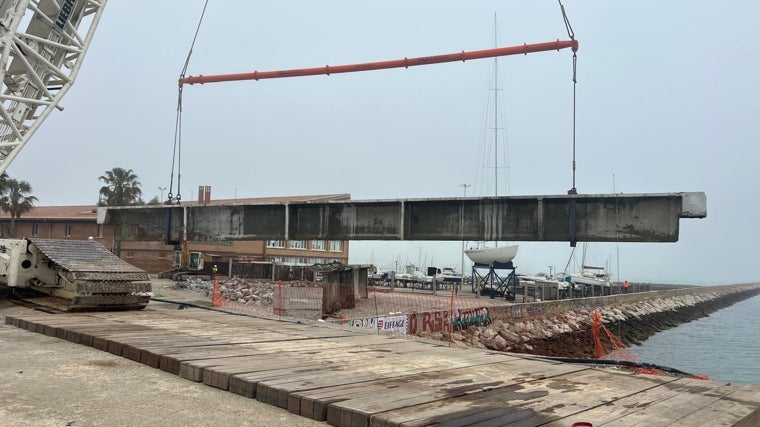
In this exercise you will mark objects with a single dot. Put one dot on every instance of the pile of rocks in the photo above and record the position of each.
(194, 284)
(256, 292)
(248, 291)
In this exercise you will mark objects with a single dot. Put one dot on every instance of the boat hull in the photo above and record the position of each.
(586, 280)
(489, 256)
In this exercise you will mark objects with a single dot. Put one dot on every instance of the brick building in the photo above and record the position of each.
(80, 223)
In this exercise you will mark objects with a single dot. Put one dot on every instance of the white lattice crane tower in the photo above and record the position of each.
(42, 43)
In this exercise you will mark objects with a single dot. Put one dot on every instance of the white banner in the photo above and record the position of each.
(392, 324)
(396, 324)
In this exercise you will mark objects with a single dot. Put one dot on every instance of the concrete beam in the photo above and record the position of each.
(589, 218)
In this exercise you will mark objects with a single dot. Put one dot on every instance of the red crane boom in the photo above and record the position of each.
(380, 65)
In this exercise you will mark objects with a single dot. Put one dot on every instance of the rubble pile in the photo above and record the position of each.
(248, 291)
(256, 292)
(194, 284)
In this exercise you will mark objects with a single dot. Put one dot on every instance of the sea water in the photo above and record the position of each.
(724, 346)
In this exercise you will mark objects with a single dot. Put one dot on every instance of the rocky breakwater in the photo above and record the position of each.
(568, 333)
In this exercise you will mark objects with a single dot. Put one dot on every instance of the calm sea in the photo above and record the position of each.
(724, 346)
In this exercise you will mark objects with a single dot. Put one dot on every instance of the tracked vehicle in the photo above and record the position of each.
(81, 274)
(42, 45)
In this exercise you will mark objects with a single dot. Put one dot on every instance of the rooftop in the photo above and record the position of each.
(91, 211)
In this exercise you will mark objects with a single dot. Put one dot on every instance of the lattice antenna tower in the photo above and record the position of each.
(39, 63)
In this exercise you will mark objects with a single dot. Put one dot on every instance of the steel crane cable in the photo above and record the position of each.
(571, 34)
(177, 150)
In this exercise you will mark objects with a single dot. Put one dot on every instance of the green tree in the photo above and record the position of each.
(3, 182)
(121, 188)
(15, 198)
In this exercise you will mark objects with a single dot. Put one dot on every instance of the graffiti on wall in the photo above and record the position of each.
(367, 323)
(465, 318)
(435, 321)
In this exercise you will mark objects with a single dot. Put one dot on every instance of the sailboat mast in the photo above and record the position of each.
(495, 113)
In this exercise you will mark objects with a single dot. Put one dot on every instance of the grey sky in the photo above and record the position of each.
(667, 102)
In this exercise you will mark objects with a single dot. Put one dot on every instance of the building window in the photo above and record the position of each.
(277, 259)
(35, 229)
(130, 254)
(298, 244)
(100, 231)
(317, 245)
(275, 243)
(317, 260)
(68, 230)
(336, 245)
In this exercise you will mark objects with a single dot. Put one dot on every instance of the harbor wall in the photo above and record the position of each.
(663, 299)
(563, 328)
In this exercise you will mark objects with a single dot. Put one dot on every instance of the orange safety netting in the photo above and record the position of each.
(617, 350)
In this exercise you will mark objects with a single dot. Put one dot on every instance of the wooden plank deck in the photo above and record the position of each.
(351, 378)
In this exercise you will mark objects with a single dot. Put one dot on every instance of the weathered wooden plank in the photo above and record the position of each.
(269, 345)
(621, 409)
(602, 388)
(358, 379)
(277, 391)
(312, 398)
(548, 398)
(683, 405)
(192, 364)
(339, 372)
(313, 355)
(425, 389)
(333, 355)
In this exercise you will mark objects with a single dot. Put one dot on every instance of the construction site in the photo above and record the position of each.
(253, 301)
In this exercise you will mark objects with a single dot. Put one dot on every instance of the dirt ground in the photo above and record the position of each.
(51, 382)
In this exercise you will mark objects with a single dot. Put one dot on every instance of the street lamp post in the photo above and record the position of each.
(161, 189)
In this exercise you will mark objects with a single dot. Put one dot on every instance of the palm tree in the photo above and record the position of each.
(3, 182)
(121, 188)
(16, 199)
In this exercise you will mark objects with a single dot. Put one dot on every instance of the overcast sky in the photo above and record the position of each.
(667, 102)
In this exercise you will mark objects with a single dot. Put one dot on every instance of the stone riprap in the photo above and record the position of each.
(569, 333)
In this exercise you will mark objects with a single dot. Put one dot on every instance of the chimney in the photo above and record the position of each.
(200, 194)
(207, 195)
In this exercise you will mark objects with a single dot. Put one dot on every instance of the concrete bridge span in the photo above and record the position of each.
(571, 218)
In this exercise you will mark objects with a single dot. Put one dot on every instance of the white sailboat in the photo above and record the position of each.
(504, 254)
(588, 275)
(489, 256)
